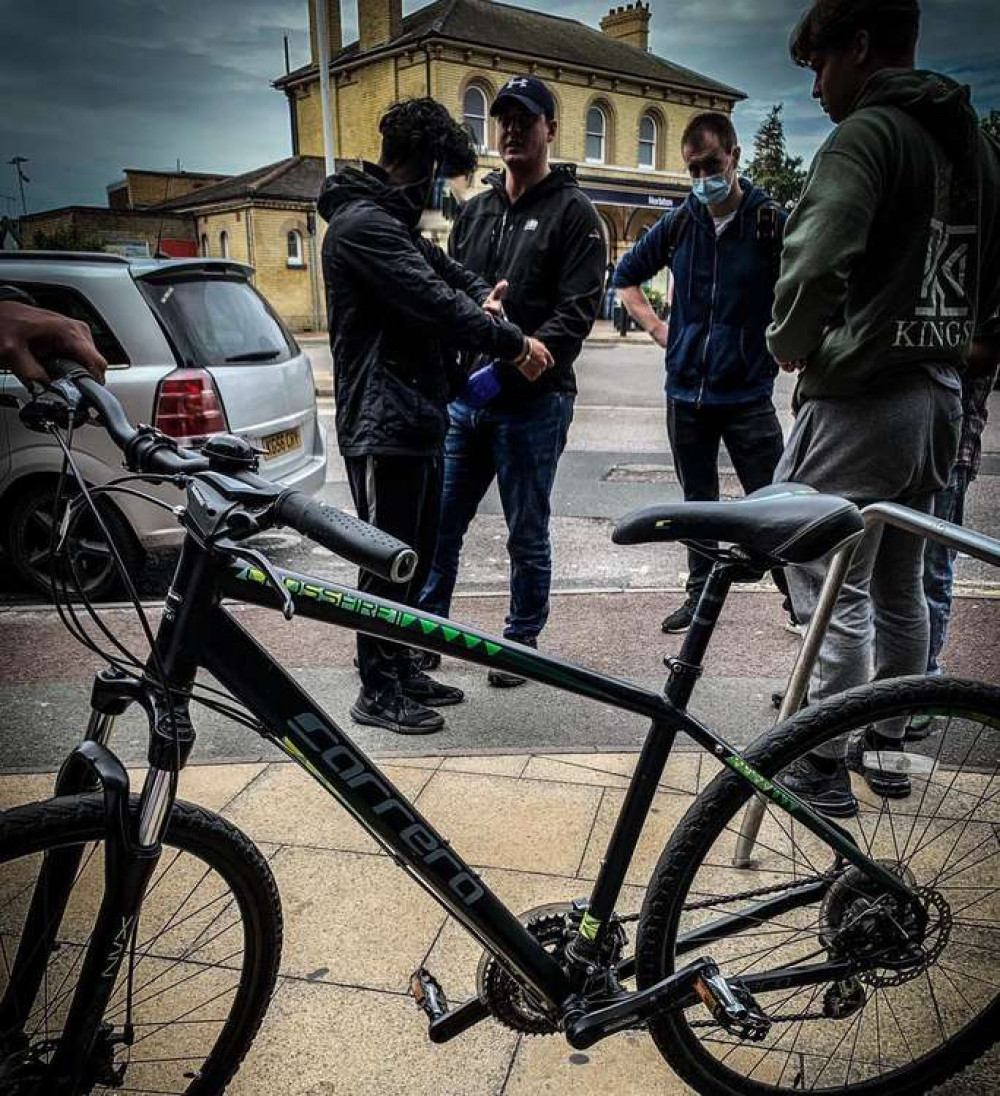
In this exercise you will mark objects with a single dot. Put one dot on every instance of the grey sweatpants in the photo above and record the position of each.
(892, 446)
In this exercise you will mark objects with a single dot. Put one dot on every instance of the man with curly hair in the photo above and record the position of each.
(398, 309)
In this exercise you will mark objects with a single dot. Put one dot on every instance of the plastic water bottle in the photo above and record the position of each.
(482, 386)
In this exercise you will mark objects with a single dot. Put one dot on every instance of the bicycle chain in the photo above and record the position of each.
(785, 1018)
(725, 899)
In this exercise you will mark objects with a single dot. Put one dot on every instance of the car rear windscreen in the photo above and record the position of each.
(216, 321)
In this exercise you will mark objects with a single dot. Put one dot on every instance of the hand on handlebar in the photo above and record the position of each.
(32, 337)
(538, 359)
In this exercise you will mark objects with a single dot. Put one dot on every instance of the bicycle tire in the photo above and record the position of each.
(711, 817)
(211, 841)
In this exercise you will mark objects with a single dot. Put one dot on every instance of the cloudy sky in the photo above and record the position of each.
(90, 87)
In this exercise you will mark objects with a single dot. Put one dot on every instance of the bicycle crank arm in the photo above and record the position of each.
(457, 1020)
(583, 1031)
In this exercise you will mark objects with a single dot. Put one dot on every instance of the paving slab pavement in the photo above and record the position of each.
(533, 824)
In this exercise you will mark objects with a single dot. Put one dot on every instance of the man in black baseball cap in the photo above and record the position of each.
(534, 229)
(530, 93)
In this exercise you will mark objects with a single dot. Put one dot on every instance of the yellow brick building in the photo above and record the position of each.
(621, 109)
(267, 218)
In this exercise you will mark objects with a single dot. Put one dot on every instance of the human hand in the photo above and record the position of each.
(659, 334)
(494, 302)
(535, 360)
(795, 366)
(31, 337)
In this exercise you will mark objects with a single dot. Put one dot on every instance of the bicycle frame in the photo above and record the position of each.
(196, 631)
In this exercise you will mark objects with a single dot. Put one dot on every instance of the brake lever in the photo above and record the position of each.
(238, 551)
(54, 404)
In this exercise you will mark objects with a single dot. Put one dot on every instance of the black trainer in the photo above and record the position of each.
(824, 785)
(883, 782)
(395, 712)
(680, 619)
(425, 690)
(426, 660)
(502, 679)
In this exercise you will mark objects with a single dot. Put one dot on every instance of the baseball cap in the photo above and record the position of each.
(529, 92)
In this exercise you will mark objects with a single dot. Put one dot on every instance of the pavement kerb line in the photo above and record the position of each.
(989, 593)
(391, 756)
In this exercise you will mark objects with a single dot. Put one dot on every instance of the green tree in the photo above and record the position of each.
(991, 124)
(771, 168)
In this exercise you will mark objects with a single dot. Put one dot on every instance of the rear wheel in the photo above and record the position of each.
(922, 999)
(206, 957)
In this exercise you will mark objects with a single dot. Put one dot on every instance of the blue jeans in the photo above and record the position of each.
(521, 449)
(939, 564)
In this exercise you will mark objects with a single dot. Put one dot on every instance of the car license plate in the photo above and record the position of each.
(276, 445)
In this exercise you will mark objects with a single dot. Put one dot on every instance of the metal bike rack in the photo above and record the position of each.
(974, 544)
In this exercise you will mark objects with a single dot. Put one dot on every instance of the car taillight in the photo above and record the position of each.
(188, 405)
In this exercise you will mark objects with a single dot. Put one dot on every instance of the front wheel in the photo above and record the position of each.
(922, 998)
(191, 995)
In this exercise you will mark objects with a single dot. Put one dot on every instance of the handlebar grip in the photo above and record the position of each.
(347, 536)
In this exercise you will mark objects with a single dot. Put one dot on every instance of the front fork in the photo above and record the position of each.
(132, 851)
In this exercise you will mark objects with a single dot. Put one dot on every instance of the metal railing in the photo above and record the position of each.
(977, 545)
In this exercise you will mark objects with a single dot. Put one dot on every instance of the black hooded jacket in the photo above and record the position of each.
(398, 308)
(550, 247)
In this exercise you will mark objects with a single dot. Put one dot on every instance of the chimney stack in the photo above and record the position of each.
(629, 24)
(379, 21)
(332, 29)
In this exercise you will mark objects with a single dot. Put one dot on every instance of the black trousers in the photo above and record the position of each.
(401, 496)
(752, 436)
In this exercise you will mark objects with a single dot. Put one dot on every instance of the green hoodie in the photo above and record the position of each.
(891, 261)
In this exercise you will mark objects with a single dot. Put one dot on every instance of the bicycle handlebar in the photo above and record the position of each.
(147, 451)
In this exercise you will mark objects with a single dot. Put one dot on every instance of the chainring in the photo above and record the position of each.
(506, 998)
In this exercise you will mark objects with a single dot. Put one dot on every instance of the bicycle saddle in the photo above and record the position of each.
(787, 522)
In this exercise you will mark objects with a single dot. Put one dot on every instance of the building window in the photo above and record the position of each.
(224, 244)
(204, 246)
(476, 116)
(295, 258)
(596, 131)
(647, 141)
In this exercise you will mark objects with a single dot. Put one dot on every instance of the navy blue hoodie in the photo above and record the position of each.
(723, 293)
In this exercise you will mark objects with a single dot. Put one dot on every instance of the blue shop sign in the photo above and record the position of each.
(633, 199)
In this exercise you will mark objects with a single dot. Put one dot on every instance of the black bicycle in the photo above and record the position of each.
(140, 935)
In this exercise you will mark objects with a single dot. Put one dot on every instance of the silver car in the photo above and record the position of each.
(195, 350)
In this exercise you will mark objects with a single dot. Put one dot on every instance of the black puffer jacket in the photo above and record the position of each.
(398, 308)
(550, 247)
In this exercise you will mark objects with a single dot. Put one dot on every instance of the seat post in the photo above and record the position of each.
(686, 668)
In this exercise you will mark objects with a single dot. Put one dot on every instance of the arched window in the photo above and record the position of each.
(224, 244)
(294, 243)
(476, 116)
(647, 141)
(597, 126)
(204, 246)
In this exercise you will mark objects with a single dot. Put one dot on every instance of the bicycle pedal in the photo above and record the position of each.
(426, 990)
(732, 1006)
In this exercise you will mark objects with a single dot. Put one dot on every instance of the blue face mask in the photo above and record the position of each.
(712, 191)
